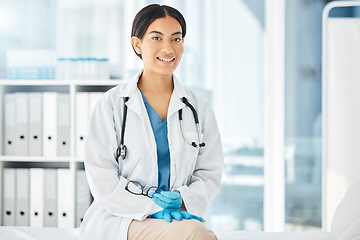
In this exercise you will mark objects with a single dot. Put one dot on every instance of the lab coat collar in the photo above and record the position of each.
(130, 87)
(175, 100)
(131, 90)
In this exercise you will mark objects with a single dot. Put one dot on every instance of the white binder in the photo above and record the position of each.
(65, 198)
(35, 124)
(9, 124)
(50, 193)
(49, 124)
(22, 119)
(9, 197)
(36, 197)
(83, 196)
(22, 197)
(63, 138)
(82, 118)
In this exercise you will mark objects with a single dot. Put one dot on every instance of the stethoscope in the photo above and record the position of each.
(121, 151)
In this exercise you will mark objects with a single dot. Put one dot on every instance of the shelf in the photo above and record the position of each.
(78, 159)
(70, 89)
(34, 159)
(56, 82)
(97, 82)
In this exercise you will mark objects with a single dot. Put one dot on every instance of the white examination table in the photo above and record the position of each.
(37, 233)
(244, 235)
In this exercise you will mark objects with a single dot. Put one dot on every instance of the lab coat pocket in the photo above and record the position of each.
(128, 166)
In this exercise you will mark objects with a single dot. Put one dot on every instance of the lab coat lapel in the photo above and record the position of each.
(136, 104)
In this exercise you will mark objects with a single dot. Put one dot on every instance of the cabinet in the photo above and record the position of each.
(73, 161)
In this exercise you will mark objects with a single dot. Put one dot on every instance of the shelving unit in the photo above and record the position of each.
(71, 162)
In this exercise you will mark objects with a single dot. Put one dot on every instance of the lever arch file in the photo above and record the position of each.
(22, 120)
(37, 197)
(22, 197)
(35, 124)
(64, 209)
(83, 196)
(49, 124)
(50, 192)
(9, 124)
(82, 118)
(63, 139)
(9, 197)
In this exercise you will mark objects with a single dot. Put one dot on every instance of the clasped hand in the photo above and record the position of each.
(166, 199)
(171, 203)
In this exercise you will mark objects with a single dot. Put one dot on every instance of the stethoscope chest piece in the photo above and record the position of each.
(121, 152)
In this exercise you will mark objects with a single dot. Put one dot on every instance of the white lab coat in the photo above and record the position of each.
(195, 173)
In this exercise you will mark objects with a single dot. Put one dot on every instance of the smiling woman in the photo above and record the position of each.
(165, 128)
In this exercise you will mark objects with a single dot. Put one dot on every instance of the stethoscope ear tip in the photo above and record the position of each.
(195, 145)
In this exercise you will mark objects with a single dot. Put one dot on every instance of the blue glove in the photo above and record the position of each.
(166, 199)
(169, 214)
(187, 215)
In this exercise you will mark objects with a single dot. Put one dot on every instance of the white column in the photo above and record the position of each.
(274, 164)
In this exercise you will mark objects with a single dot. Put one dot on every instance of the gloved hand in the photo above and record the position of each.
(166, 199)
(187, 215)
(169, 214)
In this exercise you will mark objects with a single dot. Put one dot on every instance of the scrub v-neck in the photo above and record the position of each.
(160, 131)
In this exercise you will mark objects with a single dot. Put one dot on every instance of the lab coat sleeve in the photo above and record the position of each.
(346, 221)
(205, 181)
(107, 187)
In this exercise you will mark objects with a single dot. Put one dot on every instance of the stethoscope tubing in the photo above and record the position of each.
(121, 151)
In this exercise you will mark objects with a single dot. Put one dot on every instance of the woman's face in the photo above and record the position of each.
(161, 46)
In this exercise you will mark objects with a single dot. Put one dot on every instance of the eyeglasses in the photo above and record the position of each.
(137, 189)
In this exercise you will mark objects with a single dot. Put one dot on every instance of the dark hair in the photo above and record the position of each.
(150, 13)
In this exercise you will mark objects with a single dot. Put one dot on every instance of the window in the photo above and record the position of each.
(303, 114)
(26, 24)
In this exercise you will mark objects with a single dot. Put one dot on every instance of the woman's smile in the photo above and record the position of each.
(166, 61)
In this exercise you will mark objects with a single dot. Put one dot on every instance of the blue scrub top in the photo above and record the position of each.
(159, 128)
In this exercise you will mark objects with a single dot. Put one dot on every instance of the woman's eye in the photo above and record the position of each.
(177, 40)
(156, 38)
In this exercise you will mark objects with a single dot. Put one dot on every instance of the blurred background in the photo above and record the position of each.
(224, 61)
